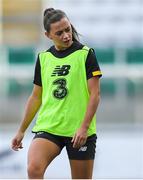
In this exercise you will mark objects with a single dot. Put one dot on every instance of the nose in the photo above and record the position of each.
(65, 35)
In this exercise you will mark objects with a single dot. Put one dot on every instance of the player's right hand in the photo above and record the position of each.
(17, 141)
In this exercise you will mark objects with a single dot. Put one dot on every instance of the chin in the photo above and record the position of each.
(68, 44)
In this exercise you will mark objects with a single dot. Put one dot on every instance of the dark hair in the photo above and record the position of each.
(52, 15)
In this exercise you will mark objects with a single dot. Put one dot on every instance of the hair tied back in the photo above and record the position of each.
(48, 11)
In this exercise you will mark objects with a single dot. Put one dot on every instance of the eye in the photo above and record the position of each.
(59, 33)
(67, 29)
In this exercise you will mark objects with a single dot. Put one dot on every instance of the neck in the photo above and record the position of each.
(58, 48)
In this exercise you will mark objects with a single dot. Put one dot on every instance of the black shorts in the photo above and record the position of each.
(86, 152)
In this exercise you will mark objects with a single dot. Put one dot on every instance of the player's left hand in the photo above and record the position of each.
(80, 137)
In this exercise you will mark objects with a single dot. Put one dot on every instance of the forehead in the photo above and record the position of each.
(60, 25)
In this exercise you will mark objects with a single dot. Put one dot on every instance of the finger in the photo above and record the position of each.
(76, 142)
(82, 142)
(15, 148)
(20, 146)
(79, 143)
(14, 142)
(73, 139)
(16, 145)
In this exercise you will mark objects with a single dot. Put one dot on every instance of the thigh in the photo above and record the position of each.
(82, 159)
(42, 152)
(86, 152)
(81, 169)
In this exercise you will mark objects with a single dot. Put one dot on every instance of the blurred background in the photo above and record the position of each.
(114, 28)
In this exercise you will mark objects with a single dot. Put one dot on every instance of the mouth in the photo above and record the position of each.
(66, 42)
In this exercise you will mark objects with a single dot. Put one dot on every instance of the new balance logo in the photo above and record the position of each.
(38, 133)
(61, 70)
(83, 148)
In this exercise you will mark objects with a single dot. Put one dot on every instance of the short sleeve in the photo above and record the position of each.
(92, 66)
(37, 73)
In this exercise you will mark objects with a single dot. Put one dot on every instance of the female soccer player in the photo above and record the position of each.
(66, 93)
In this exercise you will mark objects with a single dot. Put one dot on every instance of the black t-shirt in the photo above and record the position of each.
(91, 64)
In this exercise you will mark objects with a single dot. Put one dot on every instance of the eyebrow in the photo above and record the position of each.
(59, 32)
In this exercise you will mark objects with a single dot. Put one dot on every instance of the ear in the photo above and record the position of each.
(48, 35)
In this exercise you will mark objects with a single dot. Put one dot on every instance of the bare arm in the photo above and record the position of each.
(94, 89)
(32, 106)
